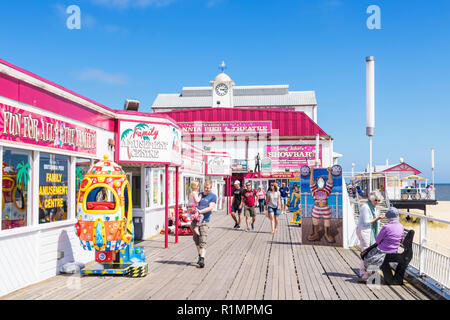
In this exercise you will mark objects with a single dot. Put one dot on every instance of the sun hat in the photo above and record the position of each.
(237, 182)
(392, 214)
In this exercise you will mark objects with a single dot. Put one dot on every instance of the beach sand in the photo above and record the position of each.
(438, 234)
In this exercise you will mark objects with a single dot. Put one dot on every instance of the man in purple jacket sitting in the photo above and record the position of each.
(388, 240)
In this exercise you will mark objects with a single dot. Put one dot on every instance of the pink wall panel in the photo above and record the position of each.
(9, 87)
(48, 101)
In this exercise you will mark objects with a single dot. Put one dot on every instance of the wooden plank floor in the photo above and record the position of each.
(253, 265)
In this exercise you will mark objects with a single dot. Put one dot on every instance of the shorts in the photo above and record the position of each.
(284, 200)
(250, 212)
(236, 209)
(200, 240)
(274, 211)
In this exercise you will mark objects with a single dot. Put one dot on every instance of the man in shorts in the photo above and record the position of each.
(284, 191)
(237, 204)
(250, 203)
(205, 207)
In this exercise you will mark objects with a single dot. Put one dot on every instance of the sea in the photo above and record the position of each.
(443, 191)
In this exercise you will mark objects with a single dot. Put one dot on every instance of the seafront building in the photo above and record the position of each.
(267, 125)
(51, 136)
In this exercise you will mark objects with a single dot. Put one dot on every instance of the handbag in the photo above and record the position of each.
(366, 251)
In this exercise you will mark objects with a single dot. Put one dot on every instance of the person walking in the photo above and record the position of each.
(284, 191)
(250, 204)
(261, 199)
(368, 224)
(237, 204)
(205, 207)
(273, 206)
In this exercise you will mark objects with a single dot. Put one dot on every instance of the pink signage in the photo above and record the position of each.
(18, 125)
(288, 156)
(234, 128)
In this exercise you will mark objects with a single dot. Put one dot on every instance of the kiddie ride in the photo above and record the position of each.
(105, 223)
(184, 222)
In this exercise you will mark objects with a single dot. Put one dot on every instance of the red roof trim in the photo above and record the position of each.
(290, 123)
(398, 167)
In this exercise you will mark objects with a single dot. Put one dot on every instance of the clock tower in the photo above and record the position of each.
(222, 94)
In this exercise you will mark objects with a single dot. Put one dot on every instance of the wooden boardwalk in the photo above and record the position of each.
(239, 265)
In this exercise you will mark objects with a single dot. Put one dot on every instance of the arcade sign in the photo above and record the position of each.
(148, 142)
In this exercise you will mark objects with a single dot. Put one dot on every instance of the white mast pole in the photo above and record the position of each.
(370, 109)
(432, 166)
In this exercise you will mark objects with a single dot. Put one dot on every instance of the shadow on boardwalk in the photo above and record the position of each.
(253, 265)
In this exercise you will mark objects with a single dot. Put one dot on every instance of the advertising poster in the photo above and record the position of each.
(321, 206)
(292, 156)
(295, 201)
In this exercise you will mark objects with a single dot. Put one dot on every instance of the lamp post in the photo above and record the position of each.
(370, 109)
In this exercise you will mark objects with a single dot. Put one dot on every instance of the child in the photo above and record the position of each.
(194, 199)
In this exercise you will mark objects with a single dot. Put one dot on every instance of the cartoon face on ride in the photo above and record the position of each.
(104, 209)
(14, 204)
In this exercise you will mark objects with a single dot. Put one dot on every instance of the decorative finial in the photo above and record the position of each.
(223, 66)
(106, 157)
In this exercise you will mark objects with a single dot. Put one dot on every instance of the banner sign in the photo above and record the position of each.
(289, 156)
(148, 142)
(18, 125)
(218, 165)
(266, 165)
(239, 165)
(272, 175)
(193, 165)
(233, 128)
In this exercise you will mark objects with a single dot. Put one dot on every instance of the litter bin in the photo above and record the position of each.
(138, 228)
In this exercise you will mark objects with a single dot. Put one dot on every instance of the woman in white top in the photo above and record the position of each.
(368, 224)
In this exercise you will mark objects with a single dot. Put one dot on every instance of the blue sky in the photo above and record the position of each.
(139, 48)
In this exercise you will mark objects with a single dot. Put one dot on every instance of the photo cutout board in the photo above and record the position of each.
(321, 206)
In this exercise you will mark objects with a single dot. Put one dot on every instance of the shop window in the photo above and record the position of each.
(147, 187)
(136, 190)
(171, 187)
(162, 184)
(16, 186)
(81, 168)
(156, 187)
(53, 187)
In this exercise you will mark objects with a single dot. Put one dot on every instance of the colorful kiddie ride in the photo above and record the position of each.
(184, 222)
(14, 204)
(105, 223)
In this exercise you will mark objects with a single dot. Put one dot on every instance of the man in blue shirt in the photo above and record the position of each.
(284, 191)
(205, 207)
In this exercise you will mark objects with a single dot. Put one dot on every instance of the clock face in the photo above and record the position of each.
(221, 89)
(336, 170)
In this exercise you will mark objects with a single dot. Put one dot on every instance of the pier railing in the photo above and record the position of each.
(432, 266)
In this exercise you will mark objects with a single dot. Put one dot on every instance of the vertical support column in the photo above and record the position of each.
(72, 207)
(35, 188)
(423, 243)
(176, 203)
(166, 196)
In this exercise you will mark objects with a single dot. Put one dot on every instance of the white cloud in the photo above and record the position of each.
(102, 76)
(123, 4)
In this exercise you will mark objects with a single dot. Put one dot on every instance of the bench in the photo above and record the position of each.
(402, 259)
